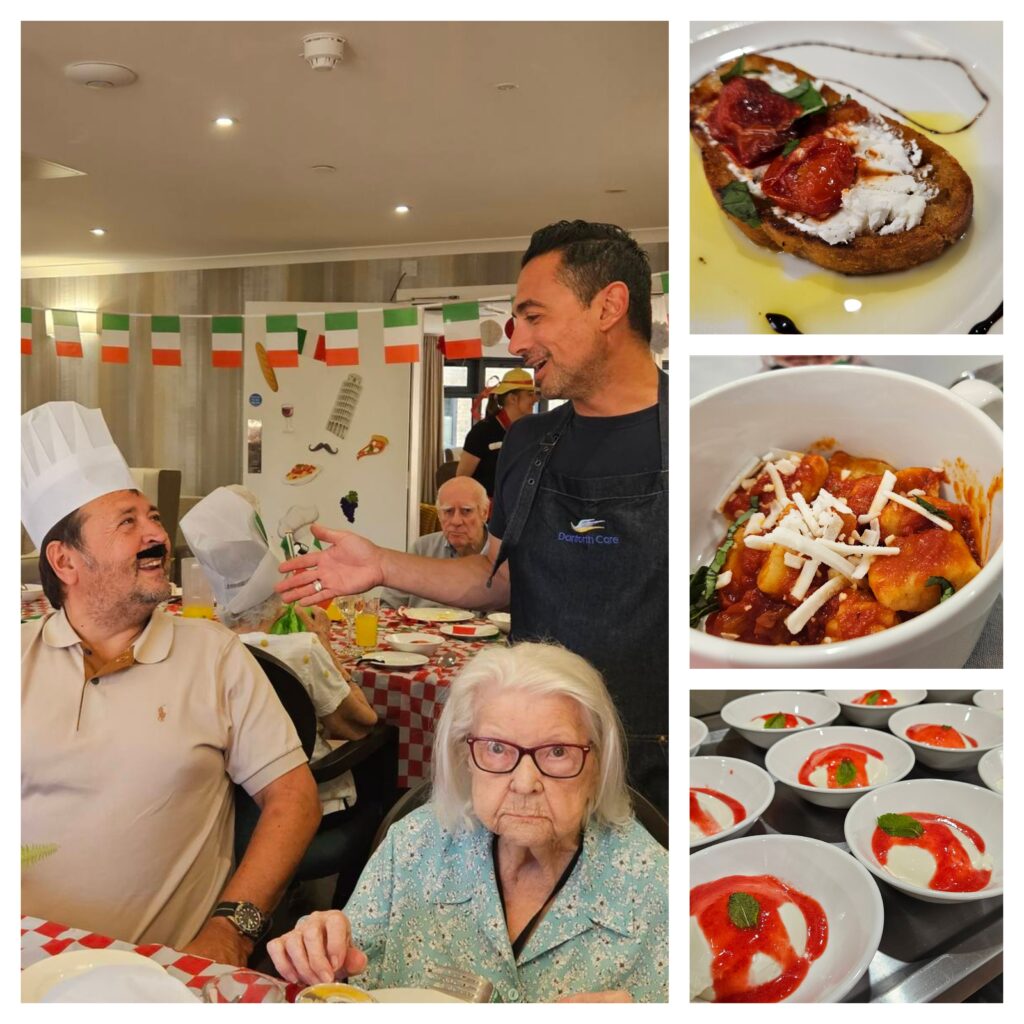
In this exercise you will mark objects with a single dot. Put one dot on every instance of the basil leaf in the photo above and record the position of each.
(699, 607)
(739, 68)
(807, 96)
(948, 590)
(873, 697)
(744, 910)
(777, 721)
(790, 146)
(846, 773)
(703, 593)
(737, 200)
(929, 507)
(902, 826)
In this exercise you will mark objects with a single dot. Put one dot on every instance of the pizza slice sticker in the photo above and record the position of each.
(376, 444)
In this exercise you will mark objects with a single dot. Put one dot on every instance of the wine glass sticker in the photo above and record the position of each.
(345, 405)
(288, 412)
(376, 444)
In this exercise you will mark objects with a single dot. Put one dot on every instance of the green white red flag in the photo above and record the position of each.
(26, 330)
(462, 330)
(66, 335)
(282, 341)
(341, 338)
(114, 328)
(403, 335)
(226, 342)
(166, 340)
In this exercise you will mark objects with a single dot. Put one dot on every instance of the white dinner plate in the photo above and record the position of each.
(436, 614)
(412, 995)
(41, 977)
(393, 659)
(460, 632)
(734, 282)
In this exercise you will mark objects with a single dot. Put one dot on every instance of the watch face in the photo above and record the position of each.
(249, 918)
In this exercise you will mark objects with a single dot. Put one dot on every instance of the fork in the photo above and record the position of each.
(464, 985)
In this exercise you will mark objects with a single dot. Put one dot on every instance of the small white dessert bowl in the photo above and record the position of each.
(503, 620)
(846, 892)
(741, 714)
(786, 758)
(751, 786)
(874, 716)
(426, 644)
(698, 734)
(977, 808)
(985, 727)
(990, 768)
(990, 700)
(949, 696)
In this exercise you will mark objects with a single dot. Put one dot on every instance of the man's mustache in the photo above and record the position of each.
(156, 551)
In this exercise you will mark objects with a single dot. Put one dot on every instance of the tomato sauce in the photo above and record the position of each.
(832, 757)
(733, 948)
(940, 736)
(706, 822)
(953, 869)
(883, 699)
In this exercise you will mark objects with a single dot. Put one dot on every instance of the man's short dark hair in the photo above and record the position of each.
(67, 531)
(594, 255)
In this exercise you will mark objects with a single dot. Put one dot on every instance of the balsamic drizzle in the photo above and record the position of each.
(781, 324)
(984, 326)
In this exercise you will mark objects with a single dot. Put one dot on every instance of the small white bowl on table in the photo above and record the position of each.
(415, 643)
(984, 726)
(990, 768)
(990, 700)
(738, 714)
(949, 696)
(751, 786)
(847, 894)
(785, 759)
(873, 716)
(973, 806)
(698, 734)
(503, 620)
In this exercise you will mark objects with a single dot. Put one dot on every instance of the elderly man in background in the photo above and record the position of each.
(225, 533)
(462, 505)
(137, 724)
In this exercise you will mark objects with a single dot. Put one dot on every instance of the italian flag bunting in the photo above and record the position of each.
(462, 330)
(403, 335)
(282, 342)
(65, 333)
(226, 342)
(26, 330)
(114, 338)
(341, 339)
(662, 279)
(166, 334)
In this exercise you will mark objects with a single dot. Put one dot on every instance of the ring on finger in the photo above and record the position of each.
(317, 586)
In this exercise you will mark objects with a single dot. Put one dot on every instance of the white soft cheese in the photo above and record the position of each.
(916, 865)
(875, 769)
(701, 985)
(777, 79)
(718, 810)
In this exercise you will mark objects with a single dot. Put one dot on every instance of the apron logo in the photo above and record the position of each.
(587, 525)
(587, 531)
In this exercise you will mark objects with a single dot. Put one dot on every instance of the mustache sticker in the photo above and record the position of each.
(156, 551)
(323, 445)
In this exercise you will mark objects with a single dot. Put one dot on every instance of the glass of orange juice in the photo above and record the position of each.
(196, 593)
(367, 618)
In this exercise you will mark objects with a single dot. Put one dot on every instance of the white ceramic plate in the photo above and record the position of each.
(30, 591)
(990, 768)
(698, 733)
(751, 786)
(393, 659)
(975, 807)
(460, 632)
(414, 643)
(846, 892)
(986, 727)
(436, 614)
(873, 716)
(739, 281)
(38, 979)
(412, 995)
(990, 700)
(739, 714)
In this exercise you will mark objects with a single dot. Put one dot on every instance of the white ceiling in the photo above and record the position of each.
(411, 116)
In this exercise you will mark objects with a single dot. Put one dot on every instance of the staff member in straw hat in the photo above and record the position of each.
(511, 400)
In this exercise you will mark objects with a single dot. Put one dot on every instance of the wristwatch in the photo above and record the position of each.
(247, 918)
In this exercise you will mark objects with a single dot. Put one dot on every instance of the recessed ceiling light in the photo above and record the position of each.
(97, 231)
(323, 168)
(401, 209)
(506, 86)
(614, 191)
(225, 122)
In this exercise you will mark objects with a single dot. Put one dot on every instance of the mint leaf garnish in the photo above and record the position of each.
(846, 773)
(744, 910)
(777, 721)
(902, 826)
(929, 507)
(948, 590)
(807, 96)
(737, 201)
(873, 697)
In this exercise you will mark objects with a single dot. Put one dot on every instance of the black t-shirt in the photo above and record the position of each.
(484, 440)
(590, 446)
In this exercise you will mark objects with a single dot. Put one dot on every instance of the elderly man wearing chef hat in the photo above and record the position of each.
(136, 724)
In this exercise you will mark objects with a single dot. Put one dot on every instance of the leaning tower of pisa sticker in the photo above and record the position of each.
(345, 405)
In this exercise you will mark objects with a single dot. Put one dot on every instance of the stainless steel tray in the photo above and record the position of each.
(930, 952)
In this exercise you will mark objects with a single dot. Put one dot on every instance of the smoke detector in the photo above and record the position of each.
(323, 50)
(99, 74)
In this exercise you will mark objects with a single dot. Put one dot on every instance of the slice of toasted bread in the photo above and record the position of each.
(946, 215)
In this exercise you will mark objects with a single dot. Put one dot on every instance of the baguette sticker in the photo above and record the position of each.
(268, 371)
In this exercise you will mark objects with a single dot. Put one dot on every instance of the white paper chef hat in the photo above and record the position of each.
(68, 458)
(223, 534)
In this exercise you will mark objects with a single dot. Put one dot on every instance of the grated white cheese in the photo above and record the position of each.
(890, 538)
(754, 524)
(805, 511)
(757, 543)
(814, 548)
(793, 561)
(914, 507)
(724, 579)
(786, 466)
(916, 491)
(805, 579)
(799, 618)
(776, 510)
(878, 501)
(859, 549)
(844, 474)
(776, 480)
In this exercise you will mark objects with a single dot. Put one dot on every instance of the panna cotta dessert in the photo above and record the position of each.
(779, 720)
(752, 939)
(932, 851)
(940, 736)
(712, 812)
(877, 698)
(843, 766)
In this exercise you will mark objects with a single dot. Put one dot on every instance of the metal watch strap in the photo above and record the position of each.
(246, 917)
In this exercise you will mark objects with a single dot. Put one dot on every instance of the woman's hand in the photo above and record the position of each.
(351, 565)
(317, 950)
(617, 995)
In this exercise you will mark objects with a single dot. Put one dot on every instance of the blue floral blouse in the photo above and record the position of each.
(429, 897)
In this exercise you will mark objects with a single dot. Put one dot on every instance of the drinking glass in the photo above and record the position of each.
(367, 619)
(244, 986)
(347, 607)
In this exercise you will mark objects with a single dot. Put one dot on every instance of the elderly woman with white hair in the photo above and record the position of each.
(526, 867)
